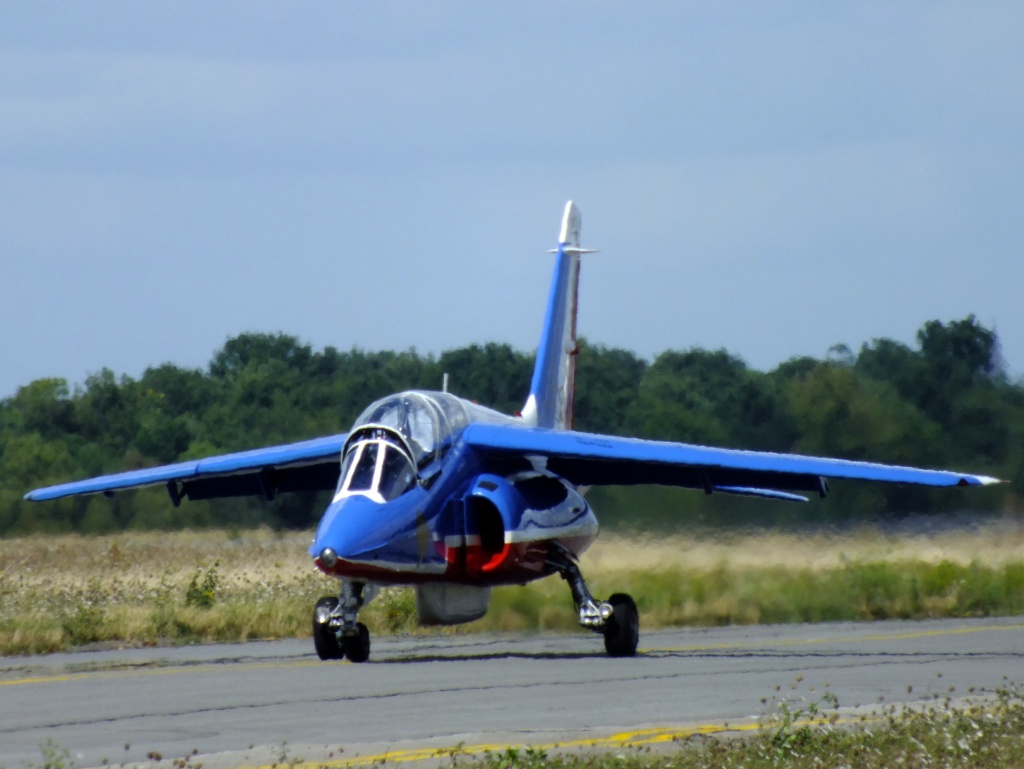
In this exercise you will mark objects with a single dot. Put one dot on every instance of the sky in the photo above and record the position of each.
(770, 178)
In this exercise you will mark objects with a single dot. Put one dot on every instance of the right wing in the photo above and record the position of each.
(586, 459)
(312, 465)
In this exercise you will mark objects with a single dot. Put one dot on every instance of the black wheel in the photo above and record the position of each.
(622, 633)
(357, 647)
(324, 640)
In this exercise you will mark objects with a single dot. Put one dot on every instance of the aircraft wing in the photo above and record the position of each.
(311, 465)
(587, 459)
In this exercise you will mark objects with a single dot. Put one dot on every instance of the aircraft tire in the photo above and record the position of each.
(357, 647)
(622, 633)
(324, 640)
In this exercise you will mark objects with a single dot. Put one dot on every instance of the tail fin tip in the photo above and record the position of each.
(569, 236)
(571, 222)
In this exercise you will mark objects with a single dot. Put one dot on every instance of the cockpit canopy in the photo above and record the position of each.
(394, 438)
(426, 420)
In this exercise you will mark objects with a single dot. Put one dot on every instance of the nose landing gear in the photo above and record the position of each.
(336, 632)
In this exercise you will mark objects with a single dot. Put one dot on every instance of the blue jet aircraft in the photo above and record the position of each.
(437, 492)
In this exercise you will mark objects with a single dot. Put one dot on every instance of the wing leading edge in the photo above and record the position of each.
(311, 465)
(589, 460)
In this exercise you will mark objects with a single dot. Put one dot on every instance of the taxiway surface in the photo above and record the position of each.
(247, 704)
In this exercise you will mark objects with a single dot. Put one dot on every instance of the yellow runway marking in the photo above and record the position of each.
(623, 739)
(156, 671)
(636, 738)
(632, 739)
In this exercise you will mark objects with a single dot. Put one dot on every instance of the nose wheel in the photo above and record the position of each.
(325, 640)
(357, 647)
(336, 633)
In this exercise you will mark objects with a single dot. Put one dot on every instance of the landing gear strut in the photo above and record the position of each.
(616, 619)
(336, 632)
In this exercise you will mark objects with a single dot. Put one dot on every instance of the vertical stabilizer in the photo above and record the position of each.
(551, 391)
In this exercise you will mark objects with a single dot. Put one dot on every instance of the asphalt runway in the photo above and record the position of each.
(254, 704)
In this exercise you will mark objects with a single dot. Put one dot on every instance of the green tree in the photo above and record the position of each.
(953, 358)
(840, 414)
(106, 412)
(709, 397)
(254, 350)
(494, 375)
(43, 406)
(607, 382)
(30, 460)
(948, 403)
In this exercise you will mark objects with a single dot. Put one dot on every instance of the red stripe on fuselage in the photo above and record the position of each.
(570, 363)
(515, 563)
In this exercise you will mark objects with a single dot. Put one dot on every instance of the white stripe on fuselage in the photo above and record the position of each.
(585, 529)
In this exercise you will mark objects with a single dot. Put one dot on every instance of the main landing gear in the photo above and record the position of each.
(336, 633)
(616, 619)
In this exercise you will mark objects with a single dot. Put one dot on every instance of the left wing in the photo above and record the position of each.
(312, 465)
(586, 459)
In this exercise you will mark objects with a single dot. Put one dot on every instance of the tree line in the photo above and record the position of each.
(947, 403)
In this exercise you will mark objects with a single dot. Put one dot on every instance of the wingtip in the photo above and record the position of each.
(980, 480)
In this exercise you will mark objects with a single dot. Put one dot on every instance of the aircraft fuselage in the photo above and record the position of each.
(465, 518)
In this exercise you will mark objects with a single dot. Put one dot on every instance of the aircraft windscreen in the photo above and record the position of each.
(366, 468)
(376, 468)
(397, 475)
(427, 420)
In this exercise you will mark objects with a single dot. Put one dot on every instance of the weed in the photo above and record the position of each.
(793, 726)
(54, 756)
(82, 626)
(516, 758)
(284, 759)
(204, 595)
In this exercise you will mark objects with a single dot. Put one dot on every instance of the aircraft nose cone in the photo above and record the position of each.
(351, 530)
(328, 557)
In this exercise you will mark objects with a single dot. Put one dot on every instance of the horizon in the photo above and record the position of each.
(73, 386)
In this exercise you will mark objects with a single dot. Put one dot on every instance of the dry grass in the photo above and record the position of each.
(994, 544)
(159, 587)
(133, 588)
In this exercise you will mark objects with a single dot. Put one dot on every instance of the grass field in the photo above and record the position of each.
(183, 587)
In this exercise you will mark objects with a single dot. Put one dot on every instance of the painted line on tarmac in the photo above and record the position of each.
(635, 738)
(154, 671)
(837, 640)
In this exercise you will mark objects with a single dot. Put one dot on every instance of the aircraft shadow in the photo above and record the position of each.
(745, 654)
(488, 657)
